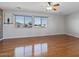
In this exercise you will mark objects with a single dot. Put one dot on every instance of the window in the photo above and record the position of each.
(19, 21)
(27, 21)
(24, 21)
(44, 22)
(40, 21)
(37, 21)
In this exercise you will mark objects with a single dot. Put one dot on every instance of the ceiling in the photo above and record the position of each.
(66, 7)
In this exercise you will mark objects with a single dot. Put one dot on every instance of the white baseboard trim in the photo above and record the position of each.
(73, 35)
(1, 39)
(29, 36)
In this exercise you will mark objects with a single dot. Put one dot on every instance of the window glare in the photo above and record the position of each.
(20, 19)
(28, 19)
(40, 21)
(37, 20)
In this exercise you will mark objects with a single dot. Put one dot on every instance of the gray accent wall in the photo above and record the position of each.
(1, 23)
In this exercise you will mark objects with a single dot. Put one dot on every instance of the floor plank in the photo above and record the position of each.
(45, 46)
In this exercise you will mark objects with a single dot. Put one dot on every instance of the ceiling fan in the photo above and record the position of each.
(53, 6)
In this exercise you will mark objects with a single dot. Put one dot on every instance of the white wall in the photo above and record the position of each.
(72, 24)
(55, 26)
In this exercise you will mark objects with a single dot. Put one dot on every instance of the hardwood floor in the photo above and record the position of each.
(47, 46)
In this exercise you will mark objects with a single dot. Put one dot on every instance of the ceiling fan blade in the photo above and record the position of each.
(56, 5)
(54, 9)
(49, 3)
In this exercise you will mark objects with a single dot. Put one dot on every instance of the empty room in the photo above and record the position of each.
(39, 29)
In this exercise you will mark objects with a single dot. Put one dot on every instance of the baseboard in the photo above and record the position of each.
(34, 36)
(1, 39)
(43, 36)
(72, 35)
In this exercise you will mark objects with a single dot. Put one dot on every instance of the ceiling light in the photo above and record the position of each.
(53, 6)
(49, 8)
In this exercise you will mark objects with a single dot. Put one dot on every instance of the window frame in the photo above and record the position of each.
(24, 21)
(16, 23)
(41, 21)
(33, 21)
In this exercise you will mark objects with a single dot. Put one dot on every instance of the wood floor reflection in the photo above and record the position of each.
(47, 46)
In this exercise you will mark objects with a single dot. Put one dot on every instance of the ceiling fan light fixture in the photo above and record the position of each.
(53, 6)
(49, 8)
